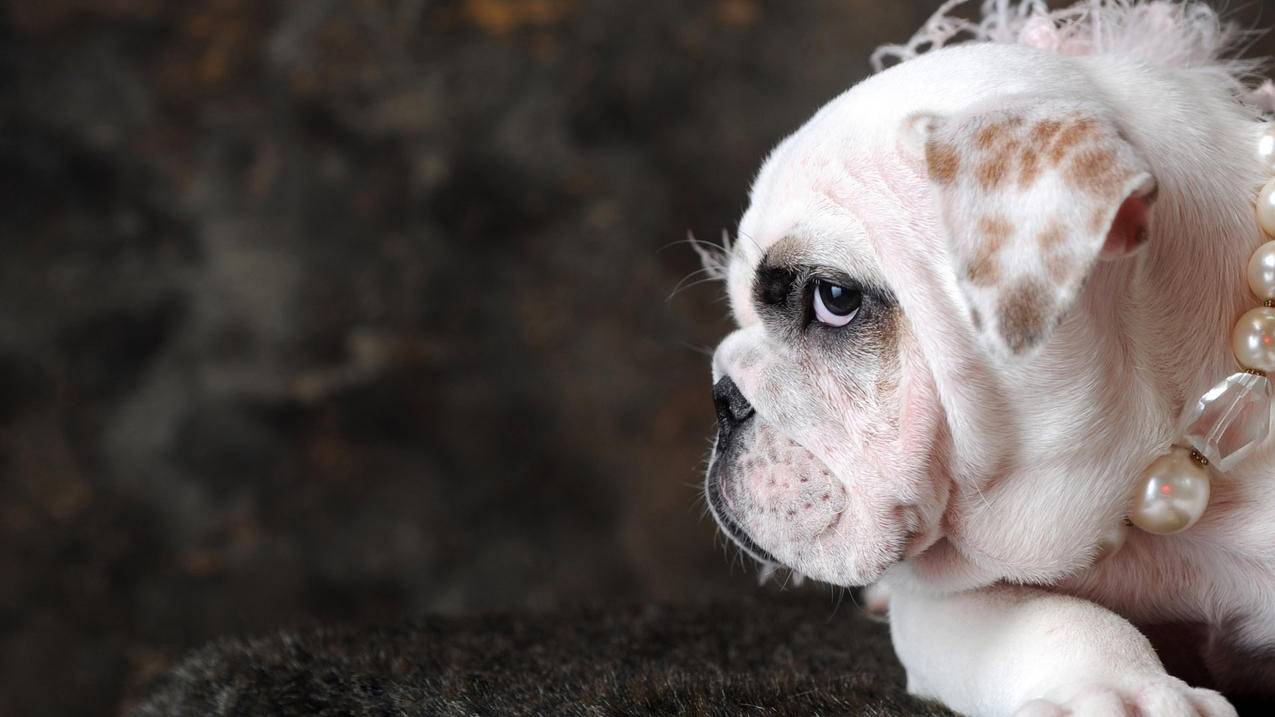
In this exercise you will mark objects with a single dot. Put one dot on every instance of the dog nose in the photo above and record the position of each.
(732, 408)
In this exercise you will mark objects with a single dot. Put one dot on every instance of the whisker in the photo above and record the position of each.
(690, 239)
(713, 257)
(701, 350)
(679, 288)
(766, 573)
(751, 240)
(681, 285)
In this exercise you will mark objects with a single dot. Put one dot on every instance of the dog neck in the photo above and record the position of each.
(1183, 296)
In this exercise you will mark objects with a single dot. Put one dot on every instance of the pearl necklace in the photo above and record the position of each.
(1232, 418)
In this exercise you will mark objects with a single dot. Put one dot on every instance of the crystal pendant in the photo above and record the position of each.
(1230, 420)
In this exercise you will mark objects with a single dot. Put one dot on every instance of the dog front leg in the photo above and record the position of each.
(1021, 651)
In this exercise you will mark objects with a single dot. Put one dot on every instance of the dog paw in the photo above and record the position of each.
(1159, 697)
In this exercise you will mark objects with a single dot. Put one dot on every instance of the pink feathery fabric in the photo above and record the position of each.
(1176, 34)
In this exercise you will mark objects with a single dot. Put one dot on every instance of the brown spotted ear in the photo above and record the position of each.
(1032, 194)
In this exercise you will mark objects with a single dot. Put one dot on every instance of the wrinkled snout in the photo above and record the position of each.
(773, 498)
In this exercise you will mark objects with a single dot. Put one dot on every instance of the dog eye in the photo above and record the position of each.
(835, 305)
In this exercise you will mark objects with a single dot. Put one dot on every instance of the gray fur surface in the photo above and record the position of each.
(790, 657)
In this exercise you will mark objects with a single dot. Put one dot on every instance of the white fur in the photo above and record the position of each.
(1015, 466)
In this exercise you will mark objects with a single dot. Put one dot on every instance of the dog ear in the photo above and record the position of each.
(1032, 193)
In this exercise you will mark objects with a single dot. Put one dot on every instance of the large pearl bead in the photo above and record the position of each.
(1266, 208)
(1172, 494)
(1261, 271)
(1266, 149)
(1253, 340)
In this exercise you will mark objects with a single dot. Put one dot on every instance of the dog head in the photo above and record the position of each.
(904, 264)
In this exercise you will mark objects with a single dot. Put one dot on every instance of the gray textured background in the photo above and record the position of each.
(321, 310)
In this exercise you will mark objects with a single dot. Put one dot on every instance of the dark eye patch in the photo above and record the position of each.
(783, 295)
(773, 285)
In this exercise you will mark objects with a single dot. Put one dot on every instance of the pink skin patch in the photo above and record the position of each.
(1128, 230)
(779, 492)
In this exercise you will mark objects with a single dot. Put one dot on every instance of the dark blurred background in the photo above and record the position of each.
(350, 311)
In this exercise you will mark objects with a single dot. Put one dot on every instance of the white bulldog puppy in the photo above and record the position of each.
(974, 294)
